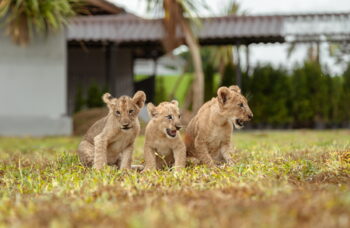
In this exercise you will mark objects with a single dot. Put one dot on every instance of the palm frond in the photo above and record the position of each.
(291, 49)
(175, 11)
(23, 17)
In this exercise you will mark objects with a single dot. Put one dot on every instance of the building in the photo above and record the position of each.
(35, 77)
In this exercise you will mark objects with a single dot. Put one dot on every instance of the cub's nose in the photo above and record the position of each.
(178, 127)
(250, 116)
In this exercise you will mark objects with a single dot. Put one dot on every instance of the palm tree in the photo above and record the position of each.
(222, 56)
(340, 52)
(23, 17)
(181, 14)
(313, 51)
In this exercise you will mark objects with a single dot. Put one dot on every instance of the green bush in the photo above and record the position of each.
(161, 94)
(345, 97)
(270, 96)
(311, 101)
(79, 100)
(335, 89)
(94, 97)
(229, 77)
(209, 73)
(308, 96)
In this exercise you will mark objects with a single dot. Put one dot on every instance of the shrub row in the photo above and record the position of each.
(306, 97)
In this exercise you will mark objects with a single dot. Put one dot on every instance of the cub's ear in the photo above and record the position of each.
(151, 110)
(175, 102)
(107, 98)
(223, 93)
(139, 99)
(235, 88)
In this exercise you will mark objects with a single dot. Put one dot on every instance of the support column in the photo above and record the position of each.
(238, 67)
(247, 56)
(121, 71)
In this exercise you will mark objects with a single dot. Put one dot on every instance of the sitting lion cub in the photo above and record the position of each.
(163, 144)
(111, 139)
(208, 135)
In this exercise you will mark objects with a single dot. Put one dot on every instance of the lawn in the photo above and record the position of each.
(280, 179)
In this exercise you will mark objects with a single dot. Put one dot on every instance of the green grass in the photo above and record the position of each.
(280, 179)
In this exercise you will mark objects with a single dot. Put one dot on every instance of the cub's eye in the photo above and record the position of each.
(170, 117)
(131, 111)
(241, 105)
(117, 112)
(179, 116)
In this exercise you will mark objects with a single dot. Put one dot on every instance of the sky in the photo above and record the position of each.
(262, 53)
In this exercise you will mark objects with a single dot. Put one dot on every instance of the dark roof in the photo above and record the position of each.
(242, 29)
(131, 30)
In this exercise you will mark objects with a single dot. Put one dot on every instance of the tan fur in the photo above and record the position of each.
(111, 139)
(208, 135)
(161, 149)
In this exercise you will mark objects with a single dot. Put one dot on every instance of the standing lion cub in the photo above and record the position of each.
(208, 135)
(163, 144)
(111, 139)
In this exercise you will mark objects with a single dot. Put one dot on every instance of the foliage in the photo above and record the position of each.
(160, 91)
(279, 179)
(307, 97)
(335, 94)
(270, 89)
(182, 14)
(229, 75)
(79, 100)
(209, 74)
(345, 97)
(94, 97)
(340, 52)
(23, 17)
(174, 12)
(311, 90)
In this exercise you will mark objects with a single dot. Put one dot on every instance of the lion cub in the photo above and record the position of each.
(111, 139)
(163, 144)
(208, 135)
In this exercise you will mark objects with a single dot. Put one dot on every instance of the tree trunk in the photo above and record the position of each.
(198, 83)
(188, 98)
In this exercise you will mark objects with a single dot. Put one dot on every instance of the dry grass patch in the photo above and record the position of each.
(280, 179)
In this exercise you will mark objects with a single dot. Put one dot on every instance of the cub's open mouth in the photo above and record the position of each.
(239, 123)
(126, 128)
(171, 133)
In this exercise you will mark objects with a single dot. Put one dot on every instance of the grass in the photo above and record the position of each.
(280, 179)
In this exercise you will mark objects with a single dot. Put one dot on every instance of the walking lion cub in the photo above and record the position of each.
(163, 144)
(111, 139)
(208, 135)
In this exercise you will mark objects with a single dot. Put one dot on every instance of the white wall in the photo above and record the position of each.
(33, 86)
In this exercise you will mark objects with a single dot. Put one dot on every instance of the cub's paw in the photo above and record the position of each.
(98, 166)
(138, 168)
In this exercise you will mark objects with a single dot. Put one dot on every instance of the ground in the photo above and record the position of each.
(280, 179)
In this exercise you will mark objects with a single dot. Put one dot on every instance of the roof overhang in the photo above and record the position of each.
(128, 30)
